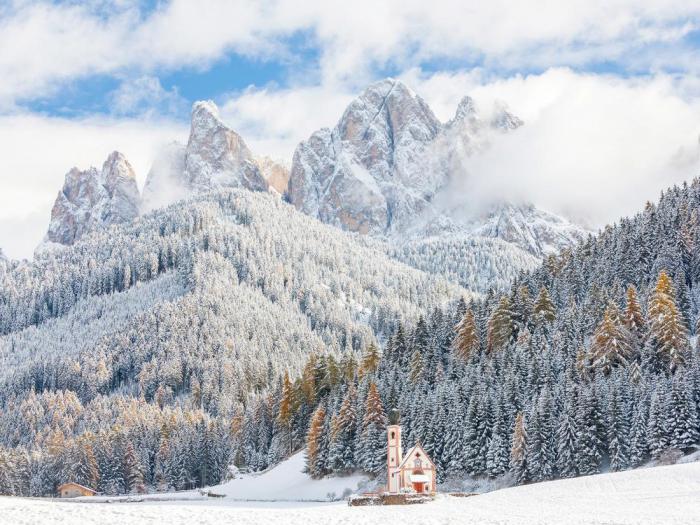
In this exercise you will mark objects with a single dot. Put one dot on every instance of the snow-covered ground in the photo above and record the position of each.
(654, 496)
(287, 482)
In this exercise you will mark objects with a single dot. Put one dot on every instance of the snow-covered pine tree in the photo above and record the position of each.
(567, 438)
(639, 449)
(132, 470)
(540, 446)
(518, 451)
(590, 428)
(497, 455)
(618, 433)
(658, 438)
(343, 432)
(682, 416)
(372, 450)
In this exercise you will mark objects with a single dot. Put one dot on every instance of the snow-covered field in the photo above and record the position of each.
(287, 482)
(654, 496)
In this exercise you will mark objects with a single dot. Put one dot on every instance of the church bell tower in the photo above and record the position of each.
(394, 454)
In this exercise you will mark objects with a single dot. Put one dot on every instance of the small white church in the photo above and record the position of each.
(413, 472)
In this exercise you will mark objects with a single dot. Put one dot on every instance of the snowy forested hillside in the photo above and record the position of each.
(477, 263)
(130, 357)
(584, 365)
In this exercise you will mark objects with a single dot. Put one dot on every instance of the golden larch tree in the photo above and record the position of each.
(466, 341)
(544, 308)
(500, 325)
(611, 345)
(666, 325)
(313, 442)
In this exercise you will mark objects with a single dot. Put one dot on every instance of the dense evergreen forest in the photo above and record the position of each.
(587, 363)
(157, 335)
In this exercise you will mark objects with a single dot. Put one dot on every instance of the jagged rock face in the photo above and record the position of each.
(215, 157)
(389, 167)
(90, 199)
(366, 174)
(386, 159)
(275, 174)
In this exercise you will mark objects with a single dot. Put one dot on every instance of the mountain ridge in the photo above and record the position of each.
(386, 165)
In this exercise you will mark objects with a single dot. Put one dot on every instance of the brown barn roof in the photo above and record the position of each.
(72, 483)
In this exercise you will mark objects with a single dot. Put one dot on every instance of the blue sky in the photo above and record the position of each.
(234, 72)
(81, 78)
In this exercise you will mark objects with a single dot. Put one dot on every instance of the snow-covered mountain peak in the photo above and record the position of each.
(466, 109)
(389, 168)
(90, 199)
(502, 119)
(116, 171)
(205, 119)
(368, 173)
(215, 157)
(531, 229)
(388, 109)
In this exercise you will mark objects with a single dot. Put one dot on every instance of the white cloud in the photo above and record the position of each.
(593, 147)
(43, 45)
(38, 151)
(146, 96)
(273, 121)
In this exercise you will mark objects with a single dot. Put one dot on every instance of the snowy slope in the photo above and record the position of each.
(287, 482)
(649, 496)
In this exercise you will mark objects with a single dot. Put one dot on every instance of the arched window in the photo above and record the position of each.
(392, 434)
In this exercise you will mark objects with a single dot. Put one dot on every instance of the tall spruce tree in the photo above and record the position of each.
(372, 450)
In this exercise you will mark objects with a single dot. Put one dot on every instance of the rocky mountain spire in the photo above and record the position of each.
(92, 198)
(366, 173)
(215, 157)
